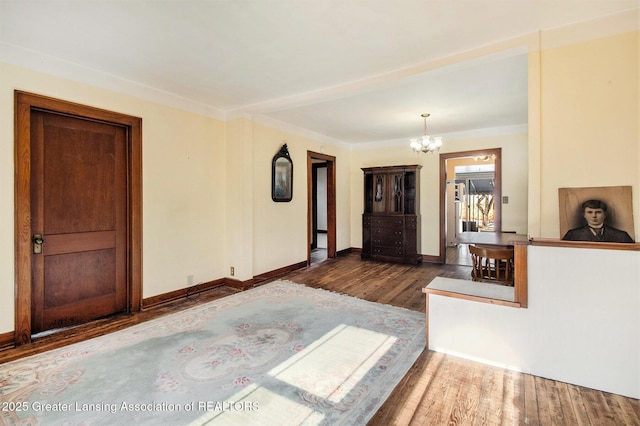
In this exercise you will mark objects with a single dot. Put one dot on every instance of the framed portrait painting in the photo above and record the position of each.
(599, 214)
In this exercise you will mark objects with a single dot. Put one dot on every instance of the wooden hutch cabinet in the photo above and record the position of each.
(391, 219)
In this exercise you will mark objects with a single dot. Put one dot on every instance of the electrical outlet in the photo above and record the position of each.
(233, 271)
(189, 280)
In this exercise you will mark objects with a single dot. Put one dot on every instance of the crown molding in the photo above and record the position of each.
(39, 62)
(280, 125)
(468, 134)
(601, 27)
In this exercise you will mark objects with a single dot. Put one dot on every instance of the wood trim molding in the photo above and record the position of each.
(24, 103)
(239, 285)
(471, 297)
(552, 242)
(7, 340)
(520, 275)
(154, 301)
(279, 272)
(427, 258)
(426, 316)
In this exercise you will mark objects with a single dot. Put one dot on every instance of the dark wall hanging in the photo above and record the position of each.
(282, 176)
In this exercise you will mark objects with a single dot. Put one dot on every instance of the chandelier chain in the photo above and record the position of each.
(427, 143)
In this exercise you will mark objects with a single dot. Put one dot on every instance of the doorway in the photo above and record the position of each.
(319, 212)
(321, 207)
(78, 214)
(470, 199)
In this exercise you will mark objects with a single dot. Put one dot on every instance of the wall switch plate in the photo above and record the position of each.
(505, 199)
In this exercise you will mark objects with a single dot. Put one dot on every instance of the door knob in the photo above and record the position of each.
(37, 243)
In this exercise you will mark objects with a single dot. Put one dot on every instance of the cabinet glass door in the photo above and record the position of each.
(379, 193)
(410, 193)
(397, 192)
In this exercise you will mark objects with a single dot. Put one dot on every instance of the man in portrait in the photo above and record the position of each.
(595, 229)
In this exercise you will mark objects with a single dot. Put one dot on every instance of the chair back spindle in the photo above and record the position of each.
(493, 265)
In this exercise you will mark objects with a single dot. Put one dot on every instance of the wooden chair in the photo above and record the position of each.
(492, 264)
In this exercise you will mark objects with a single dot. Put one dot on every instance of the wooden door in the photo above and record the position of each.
(79, 208)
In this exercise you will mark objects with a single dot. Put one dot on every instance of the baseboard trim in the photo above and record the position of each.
(7, 340)
(278, 272)
(237, 284)
(426, 258)
(160, 299)
(346, 251)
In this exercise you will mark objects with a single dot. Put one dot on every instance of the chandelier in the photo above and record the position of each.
(426, 143)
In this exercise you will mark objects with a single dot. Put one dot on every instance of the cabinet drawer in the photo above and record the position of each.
(387, 234)
(411, 222)
(387, 251)
(388, 242)
(387, 222)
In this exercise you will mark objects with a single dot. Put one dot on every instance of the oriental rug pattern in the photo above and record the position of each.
(281, 353)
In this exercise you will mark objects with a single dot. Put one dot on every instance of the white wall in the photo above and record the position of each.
(239, 196)
(589, 121)
(322, 198)
(582, 325)
(280, 229)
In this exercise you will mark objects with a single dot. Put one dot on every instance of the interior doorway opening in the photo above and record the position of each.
(319, 212)
(471, 192)
(321, 207)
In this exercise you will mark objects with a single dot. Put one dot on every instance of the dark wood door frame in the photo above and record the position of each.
(24, 104)
(331, 202)
(497, 193)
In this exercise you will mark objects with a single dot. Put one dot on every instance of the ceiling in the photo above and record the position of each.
(353, 71)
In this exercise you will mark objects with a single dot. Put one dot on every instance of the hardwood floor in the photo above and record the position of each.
(445, 390)
(439, 389)
(458, 255)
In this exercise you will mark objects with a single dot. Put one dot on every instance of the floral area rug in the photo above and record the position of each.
(280, 354)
